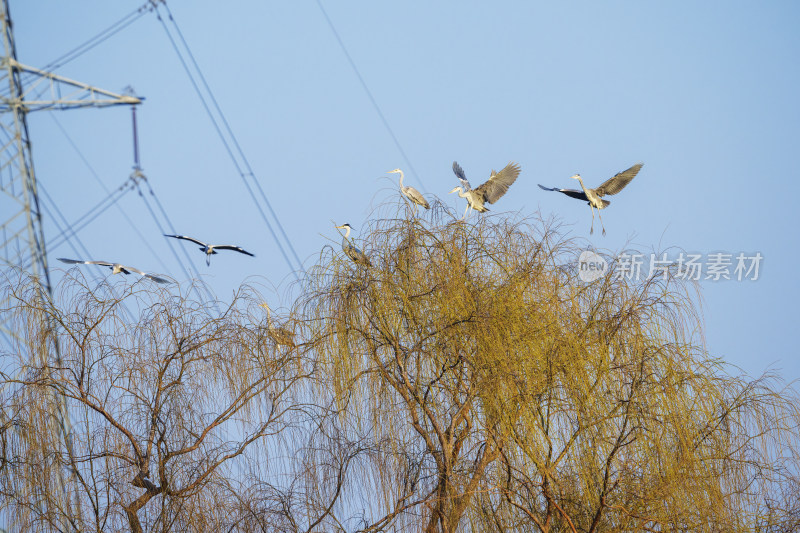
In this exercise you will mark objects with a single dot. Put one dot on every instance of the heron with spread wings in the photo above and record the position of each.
(116, 268)
(491, 191)
(410, 192)
(593, 196)
(358, 257)
(211, 249)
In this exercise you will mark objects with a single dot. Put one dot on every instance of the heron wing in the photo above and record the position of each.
(145, 274)
(124, 267)
(618, 182)
(101, 263)
(499, 182)
(461, 176)
(234, 248)
(185, 238)
(357, 255)
(354, 253)
(416, 197)
(70, 261)
(572, 193)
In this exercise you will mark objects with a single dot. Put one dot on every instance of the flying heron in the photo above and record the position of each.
(280, 334)
(116, 268)
(350, 249)
(491, 191)
(593, 196)
(211, 249)
(410, 192)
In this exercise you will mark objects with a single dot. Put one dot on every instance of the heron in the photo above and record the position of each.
(593, 196)
(116, 268)
(491, 191)
(211, 249)
(280, 334)
(351, 250)
(410, 192)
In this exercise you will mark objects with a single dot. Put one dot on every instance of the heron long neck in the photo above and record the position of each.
(401, 178)
(462, 193)
(347, 232)
(582, 185)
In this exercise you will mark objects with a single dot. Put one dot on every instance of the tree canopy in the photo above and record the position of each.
(466, 380)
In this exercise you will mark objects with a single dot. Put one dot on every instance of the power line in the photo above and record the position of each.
(244, 168)
(56, 213)
(103, 185)
(101, 37)
(169, 243)
(110, 31)
(134, 183)
(36, 242)
(75, 237)
(46, 196)
(137, 177)
(369, 94)
(91, 214)
(233, 137)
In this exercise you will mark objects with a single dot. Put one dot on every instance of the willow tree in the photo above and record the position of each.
(465, 380)
(507, 394)
(169, 400)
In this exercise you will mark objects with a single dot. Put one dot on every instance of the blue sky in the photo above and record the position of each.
(705, 94)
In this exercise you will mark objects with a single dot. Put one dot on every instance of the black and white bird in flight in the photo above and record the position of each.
(116, 268)
(593, 196)
(211, 249)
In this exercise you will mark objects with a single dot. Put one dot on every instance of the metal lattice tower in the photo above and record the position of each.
(22, 245)
(22, 241)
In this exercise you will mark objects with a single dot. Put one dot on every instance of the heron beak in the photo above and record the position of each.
(576, 176)
(454, 190)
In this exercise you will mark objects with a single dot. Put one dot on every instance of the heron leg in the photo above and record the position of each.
(466, 212)
(601, 222)
(591, 231)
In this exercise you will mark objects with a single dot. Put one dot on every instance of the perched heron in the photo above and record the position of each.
(211, 249)
(116, 268)
(350, 249)
(410, 192)
(280, 334)
(491, 191)
(593, 196)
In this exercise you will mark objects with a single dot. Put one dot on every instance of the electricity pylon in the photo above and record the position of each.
(21, 235)
(22, 243)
